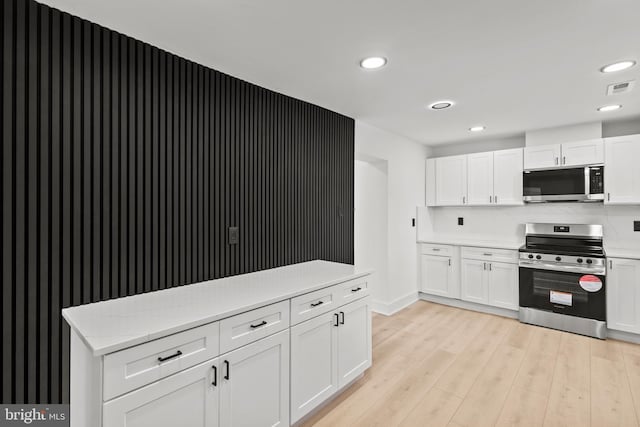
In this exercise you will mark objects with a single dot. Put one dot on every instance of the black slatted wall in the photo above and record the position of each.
(123, 167)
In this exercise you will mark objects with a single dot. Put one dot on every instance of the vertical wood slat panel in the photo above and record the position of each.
(123, 167)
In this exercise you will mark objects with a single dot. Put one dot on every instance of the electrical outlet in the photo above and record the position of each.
(636, 225)
(233, 235)
(460, 221)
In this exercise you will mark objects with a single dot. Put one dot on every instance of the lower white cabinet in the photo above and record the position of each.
(623, 295)
(327, 353)
(439, 270)
(187, 399)
(254, 383)
(486, 281)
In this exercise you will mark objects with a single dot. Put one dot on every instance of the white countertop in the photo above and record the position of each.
(112, 325)
(622, 252)
(457, 241)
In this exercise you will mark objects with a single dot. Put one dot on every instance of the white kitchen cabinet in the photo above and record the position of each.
(623, 295)
(327, 353)
(430, 182)
(503, 285)
(436, 274)
(480, 178)
(451, 181)
(621, 172)
(254, 383)
(542, 156)
(314, 363)
(507, 177)
(188, 399)
(474, 284)
(581, 153)
(354, 341)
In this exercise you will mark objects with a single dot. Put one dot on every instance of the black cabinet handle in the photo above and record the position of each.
(337, 322)
(317, 303)
(173, 356)
(264, 322)
(342, 314)
(215, 376)
(356, 289)
(226, 362)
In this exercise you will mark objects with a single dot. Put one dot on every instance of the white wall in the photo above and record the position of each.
(405, 188)
(371, 221)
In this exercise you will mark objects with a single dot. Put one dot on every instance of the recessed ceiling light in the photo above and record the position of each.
(618, 66)
(441, 105)
(477, 128)
(373, 62)
(610, 107)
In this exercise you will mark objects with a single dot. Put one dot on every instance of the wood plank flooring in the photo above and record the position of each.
(435, 365)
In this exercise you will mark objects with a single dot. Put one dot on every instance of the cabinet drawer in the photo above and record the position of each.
(352, 290)
(307, 306)
(489, 254)
(434, 249)
(253, 325)
(137, 366)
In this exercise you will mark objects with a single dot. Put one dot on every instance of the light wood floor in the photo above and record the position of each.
(435, 365)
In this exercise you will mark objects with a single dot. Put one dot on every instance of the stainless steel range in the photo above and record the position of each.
(563, 278)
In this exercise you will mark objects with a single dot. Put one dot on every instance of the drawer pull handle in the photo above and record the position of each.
(487, 254)
(173, 356)
(215, 376)
(356, 289)
(342, 314)
(226, 362)
(317, 303)
(436, 249)
(264, 322)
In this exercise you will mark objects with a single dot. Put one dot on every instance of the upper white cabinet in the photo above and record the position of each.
(480, 178)
(491, 178)
(569, 154)
(507, 177)
(621, 172)
(542, 156)
(623, 295)
(451, 181)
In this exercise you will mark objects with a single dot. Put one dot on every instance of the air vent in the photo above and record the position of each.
(623, 87)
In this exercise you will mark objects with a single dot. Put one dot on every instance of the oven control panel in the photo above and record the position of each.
(557, 259)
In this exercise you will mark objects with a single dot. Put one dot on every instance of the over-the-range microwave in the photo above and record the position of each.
(581, 184)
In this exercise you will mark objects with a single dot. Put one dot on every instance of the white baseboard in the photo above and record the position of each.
(623, 336)
(389, 309)
(513, 314)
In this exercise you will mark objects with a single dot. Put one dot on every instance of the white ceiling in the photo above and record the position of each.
(511, 65)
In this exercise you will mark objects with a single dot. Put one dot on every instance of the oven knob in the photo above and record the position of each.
(579, 260)
(538, 257)
(530, 256)
(558, 259)
(589, 261)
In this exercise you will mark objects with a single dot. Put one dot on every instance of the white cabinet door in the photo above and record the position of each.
(474, 281)
(314, 363)
(621, 172)
(254, 384)
(623, 295)
(583, 153)
(480, 178)
(354, 340)
(186, 399)
(503, 285)
(542, 156)
(430, 182)
(435, 274)
(507, 177)
(451, 181)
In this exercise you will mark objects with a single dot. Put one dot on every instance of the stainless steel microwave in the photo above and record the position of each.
(582, 184)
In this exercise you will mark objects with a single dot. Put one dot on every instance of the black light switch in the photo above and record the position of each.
(636, 225)
(460, 221)
(233, 235)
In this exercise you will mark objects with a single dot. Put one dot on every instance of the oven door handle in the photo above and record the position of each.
(563, 268)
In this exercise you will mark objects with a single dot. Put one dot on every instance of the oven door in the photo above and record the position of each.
(574, 294)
